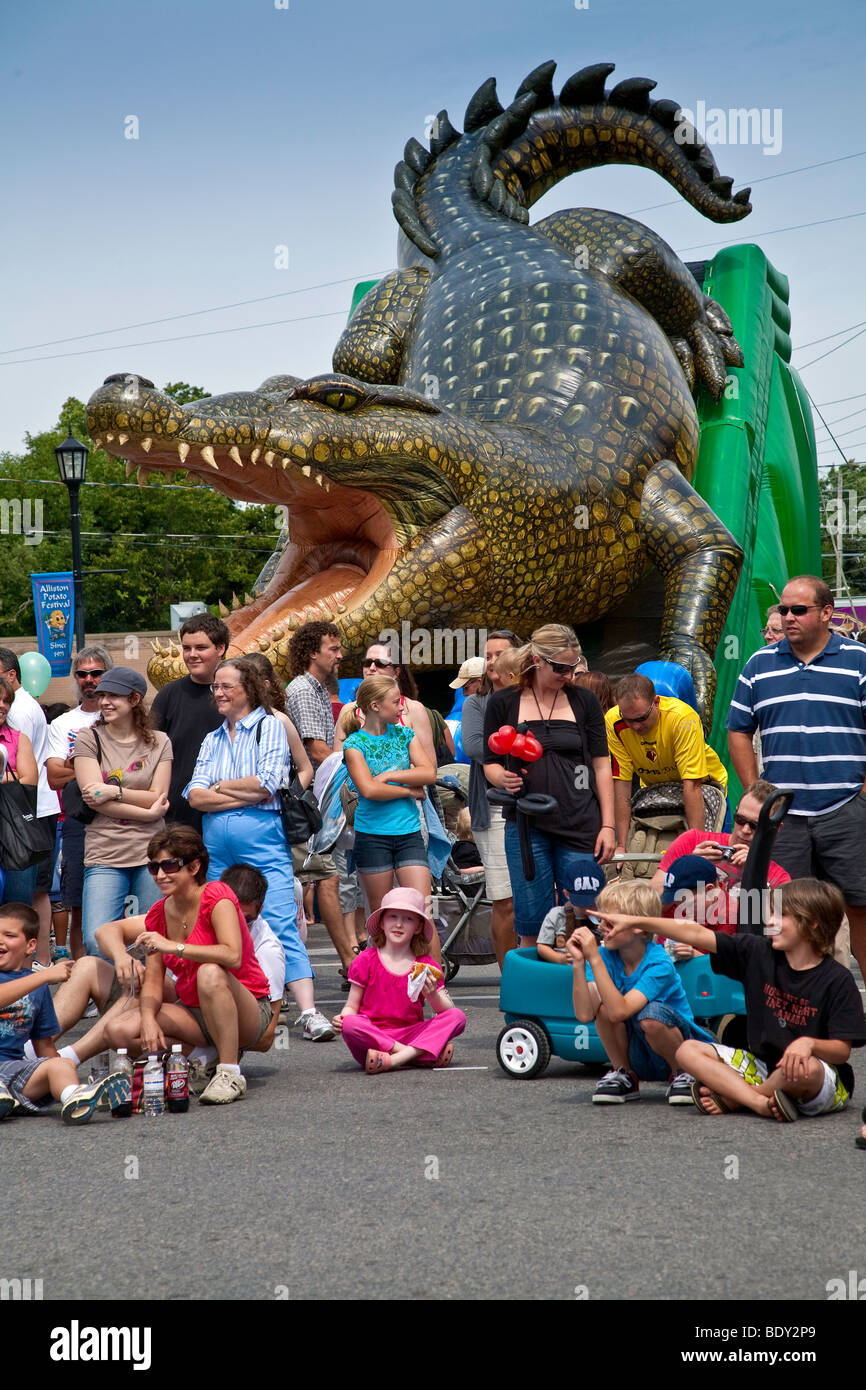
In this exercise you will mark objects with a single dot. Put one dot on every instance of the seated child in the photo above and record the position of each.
(803, 1011)
(464, 855)
(635, 996)
(382, 1026)
(26, 1012)
(560, 922)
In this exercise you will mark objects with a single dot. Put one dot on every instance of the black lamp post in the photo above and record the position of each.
(72, 462)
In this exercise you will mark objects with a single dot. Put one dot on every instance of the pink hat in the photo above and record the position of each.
(406, 900)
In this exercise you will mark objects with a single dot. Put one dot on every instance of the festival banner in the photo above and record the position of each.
(54, 606)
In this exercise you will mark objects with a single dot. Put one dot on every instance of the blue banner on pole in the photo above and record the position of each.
(54, 605)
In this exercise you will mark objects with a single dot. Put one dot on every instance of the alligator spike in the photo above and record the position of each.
(248, 599)
(130, 469)
(689, 139)
(234, 454)
(540, 83)
(236, 603)
(97, 443)
(263, 644)
(142, 475)
(497, 195)
(742, 197)
(254, 456)
(633, 94)
(586, 87)
(511, 207)
(224, 612)
(208, 456)
(722, 186)
(156, 646)
(511, 123)
(269, 457)
(482, 107)
(445, 134)
(705, 165)
(667, 113)
(182, 450)
(417, 157)
(407, 216)
(404, 177)
(482, 174)
(277, 633)
(122, 438)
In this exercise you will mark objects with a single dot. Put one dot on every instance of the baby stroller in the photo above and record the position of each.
(461, 908)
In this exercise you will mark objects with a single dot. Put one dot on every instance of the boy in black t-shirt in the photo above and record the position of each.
(803, 1011)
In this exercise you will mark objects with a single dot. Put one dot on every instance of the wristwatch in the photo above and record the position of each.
(181, 947)
(215, 787)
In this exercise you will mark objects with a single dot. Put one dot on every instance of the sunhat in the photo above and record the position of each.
(405, 900)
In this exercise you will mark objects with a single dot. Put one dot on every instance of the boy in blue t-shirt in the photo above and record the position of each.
(27, 1014)
(635, 997)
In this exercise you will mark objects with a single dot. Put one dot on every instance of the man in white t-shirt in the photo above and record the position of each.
(88, 668)
(32, 885)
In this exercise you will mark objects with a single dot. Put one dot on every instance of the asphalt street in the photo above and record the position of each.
(460, 1184)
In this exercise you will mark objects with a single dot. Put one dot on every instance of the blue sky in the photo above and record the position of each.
(261, 126)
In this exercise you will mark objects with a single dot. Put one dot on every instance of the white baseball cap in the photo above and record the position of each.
(471, 669)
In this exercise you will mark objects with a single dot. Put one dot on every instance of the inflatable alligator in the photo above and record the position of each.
(509, 433)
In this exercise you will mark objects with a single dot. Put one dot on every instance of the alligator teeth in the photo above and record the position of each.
(97, 443)
(306, 470)
(146, 444)
(207, 455)
(326, 485)
(236, 603)
(142, 475)
(269, 457)
(254, 456)
(183, 450)
(319, 479)
(248, 598)
(122, 438)
(224, 612)
(109, 439)
(234, 454)
(130, 469)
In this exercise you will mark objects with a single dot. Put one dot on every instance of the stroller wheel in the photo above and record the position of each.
(523, 1049)
(450, 967)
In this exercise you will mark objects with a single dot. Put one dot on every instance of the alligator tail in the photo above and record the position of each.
(514, 154)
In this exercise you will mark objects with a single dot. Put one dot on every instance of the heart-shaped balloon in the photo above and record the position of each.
(507, 734)
(494, 743)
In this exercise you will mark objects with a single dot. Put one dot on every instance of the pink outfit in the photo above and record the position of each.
(9, 740)
(388, 1015)
(249, 972)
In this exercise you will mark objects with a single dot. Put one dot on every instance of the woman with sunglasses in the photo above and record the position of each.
(574, 769)
(196, 930)
(123, 769)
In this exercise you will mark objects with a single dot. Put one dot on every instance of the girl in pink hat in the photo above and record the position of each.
(383, 1020)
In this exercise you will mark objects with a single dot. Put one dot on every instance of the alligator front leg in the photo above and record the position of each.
(371, 347)
(700, 563)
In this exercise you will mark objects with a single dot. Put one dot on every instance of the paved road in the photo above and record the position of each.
(458, 1184)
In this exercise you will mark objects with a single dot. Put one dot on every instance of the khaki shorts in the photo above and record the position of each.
(320, 865)
(265, 1011)
(491, 847)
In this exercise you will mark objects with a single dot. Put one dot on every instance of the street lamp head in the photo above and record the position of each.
(71, 458)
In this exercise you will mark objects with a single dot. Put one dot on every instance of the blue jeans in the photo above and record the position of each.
(105, 893)
(554, 868)
(646, 1064)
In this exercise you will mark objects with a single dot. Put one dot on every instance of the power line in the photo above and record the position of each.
(776, 231)
(855, 429)
(804, 168)
(839, 331)
(840, 418)
(803, 365)
(840, 400)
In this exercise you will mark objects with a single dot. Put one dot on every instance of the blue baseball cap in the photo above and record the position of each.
(686, 874)
(586, 881)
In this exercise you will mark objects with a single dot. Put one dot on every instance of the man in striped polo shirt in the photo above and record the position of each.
(807, 695)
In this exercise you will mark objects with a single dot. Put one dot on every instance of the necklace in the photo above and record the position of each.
(547, 719)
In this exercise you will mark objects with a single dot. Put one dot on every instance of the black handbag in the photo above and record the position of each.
(299, 812)
(24, 839)
(74, 805)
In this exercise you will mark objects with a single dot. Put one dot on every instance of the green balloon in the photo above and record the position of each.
(35, 673)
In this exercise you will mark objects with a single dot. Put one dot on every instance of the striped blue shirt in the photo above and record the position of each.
(812, 718)
(221, 760)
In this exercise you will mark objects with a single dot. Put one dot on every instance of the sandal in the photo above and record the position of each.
(377, 1062)
(698, 1099)
(787, 1107)
(445, 1056)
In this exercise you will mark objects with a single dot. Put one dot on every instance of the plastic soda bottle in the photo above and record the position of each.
(100, 1066)
(177, 1081)
(124, 1065)
(154, 1086)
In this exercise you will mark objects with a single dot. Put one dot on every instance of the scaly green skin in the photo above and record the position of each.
(509, 432)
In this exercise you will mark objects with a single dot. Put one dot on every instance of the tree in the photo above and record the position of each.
(173, 540)
(843, 524)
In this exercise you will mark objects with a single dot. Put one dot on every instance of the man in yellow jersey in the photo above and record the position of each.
(661, 739)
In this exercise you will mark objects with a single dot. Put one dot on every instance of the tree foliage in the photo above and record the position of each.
(843, 525)
(172, 543)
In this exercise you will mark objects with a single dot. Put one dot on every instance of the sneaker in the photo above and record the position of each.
(316, 1027)
(200, 1075)
(91, 1011)
(679, 1092)
(225, 1087)
(7, 1101)
(62, 953)
(37, 965)
(615, 1087)
(79, 1109)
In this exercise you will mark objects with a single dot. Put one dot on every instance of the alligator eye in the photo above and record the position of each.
(342, 400)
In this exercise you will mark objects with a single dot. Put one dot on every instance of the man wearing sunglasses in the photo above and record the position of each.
(806, 694)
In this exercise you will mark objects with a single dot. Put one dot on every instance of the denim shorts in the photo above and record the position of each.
(377, 854)
(646, 1064)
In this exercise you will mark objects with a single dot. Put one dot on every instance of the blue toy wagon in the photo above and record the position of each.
(536, 998)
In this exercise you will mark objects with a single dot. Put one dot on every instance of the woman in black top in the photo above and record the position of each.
(575, 769)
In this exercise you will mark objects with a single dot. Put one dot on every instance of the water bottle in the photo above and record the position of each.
(154, 1086)
(177, 1081)
(100, 1067)
(124, 1066)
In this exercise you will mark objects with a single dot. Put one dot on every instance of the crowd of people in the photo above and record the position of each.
(183, 908)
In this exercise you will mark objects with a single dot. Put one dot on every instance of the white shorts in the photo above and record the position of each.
(491, 847)
(833, 1094)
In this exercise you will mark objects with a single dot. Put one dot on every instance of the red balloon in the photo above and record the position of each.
(532, 749)
(507, 734)
(494, 743)
(518, 746)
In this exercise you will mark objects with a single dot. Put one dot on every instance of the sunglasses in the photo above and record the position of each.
(743, 821)
(638, 718)
(375, 661)
(798, 609)
(562, 668)
(168, 866)
(87, 675)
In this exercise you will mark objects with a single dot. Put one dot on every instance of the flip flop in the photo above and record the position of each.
(714, 1096)
(787, 1106)
(445, 1056)
(377, 1062)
